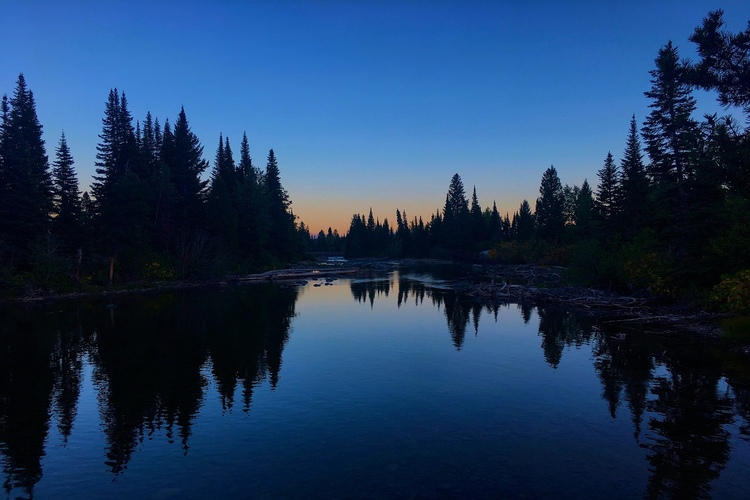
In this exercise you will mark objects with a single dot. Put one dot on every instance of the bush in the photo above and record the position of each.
(733, 292)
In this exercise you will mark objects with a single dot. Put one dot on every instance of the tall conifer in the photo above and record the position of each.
(633, 183)
(607, 193)
(550, 206)
(671, 136)
(186, 164)
(282, 233)
(67, 209)
(26, 196)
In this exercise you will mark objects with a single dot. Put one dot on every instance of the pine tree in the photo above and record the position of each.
(224, 166)
(495, 225)
(25, 191)
(478, 230)
(186, 164)
(550, 207)
(246, 169)
(570, 197)
(229, 168)
(121, 195)
(163, 225)
(724, 66)
(252, 207)
(524, 222)
(454, 229)
(633, 184)
(456, 206)
(221, 211)
(607, 194)
(725, 61)
(149, 147)
(282, 242)
(67, 209)
(584, 210)
(671, 137)
(508, 231)
(116, 151)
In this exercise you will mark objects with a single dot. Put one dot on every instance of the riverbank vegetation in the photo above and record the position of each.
(671, 218)
(150, 215)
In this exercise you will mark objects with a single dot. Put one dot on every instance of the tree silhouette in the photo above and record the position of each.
(607, 196)
(671, 137)
(633, 184)
(25, 182)
(67, 209)
(550, 218)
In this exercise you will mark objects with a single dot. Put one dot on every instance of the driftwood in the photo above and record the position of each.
(544, 286)
(296, 274)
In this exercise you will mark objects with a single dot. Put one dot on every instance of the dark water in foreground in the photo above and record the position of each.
(380, 388)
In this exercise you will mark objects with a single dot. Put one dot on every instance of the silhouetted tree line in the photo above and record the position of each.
(149, 215)
(324, 242)
(677, 223)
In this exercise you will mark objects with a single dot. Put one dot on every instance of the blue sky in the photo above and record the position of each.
(366, 104)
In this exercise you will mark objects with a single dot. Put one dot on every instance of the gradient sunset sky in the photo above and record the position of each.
(365, 103)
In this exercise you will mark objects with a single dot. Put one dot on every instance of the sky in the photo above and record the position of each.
(366, 104)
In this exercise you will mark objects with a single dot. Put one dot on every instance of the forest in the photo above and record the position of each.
(671, 218)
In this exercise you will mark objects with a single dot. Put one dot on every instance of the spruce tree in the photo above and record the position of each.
(186, 164)
(495, 225)
(724, 66)
(550, 206)
(607, 194)
(633, 184)
(282, 240)
(456, 207)
(570, 197)
(454, 229)
(507, 232)
(116, 152)
(67, 205)
(163, 225)
(478, 231)
(725, 61)
(149, 147)
(524, 222)
(221, 211)
(121, 195)
(224, 166)
(26, 191)
(252, 207)
(671, 137)
(229, 168)
(584, 210)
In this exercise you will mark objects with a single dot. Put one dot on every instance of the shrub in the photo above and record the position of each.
(733, 292)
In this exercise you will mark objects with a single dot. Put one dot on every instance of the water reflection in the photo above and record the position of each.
(27, 381)
(147, 355)
(152, 358)
(672, 383)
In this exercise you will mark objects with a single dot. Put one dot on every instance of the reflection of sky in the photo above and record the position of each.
(365, 103)
(376, 398)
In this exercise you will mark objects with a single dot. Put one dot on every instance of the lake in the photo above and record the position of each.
(393, 386)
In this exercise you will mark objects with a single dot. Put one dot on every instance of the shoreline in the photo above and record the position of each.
(486, 283)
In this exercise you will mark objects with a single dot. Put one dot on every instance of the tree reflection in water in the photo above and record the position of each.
(147, 354)
(671, 383)
(152, 357)
(27, 381)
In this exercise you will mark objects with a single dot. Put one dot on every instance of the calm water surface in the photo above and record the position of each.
(390, 387)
